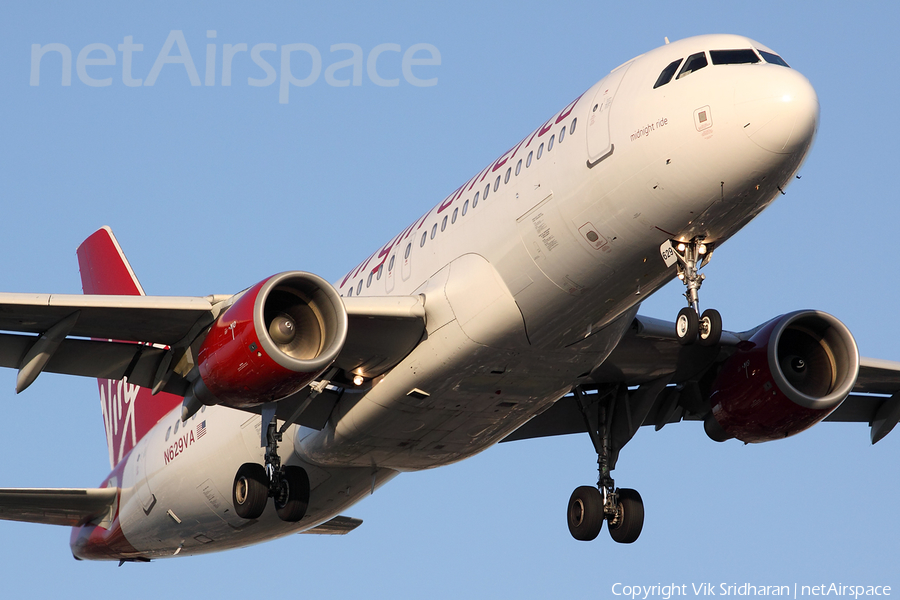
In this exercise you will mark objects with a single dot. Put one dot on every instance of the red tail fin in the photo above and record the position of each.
(128, 410)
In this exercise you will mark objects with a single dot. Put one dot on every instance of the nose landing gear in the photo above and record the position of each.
(255, 483)
(690, 325)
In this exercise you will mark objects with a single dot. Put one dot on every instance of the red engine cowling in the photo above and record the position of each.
(273, 341)
(787, 377)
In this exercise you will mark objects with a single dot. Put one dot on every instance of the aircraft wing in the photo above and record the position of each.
(113, 337)
(70, 507)
(650, 362)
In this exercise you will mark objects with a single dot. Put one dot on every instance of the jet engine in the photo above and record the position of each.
(276, 338)
(791, 373)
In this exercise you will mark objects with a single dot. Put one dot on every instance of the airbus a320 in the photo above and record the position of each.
(509, 310)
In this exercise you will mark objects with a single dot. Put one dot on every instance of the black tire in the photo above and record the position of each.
(631, 517)
(250, 491)
(585, 513)
(711, 327)
(292, 497)
(687, 325)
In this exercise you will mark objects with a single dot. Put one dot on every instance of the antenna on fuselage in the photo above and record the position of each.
(667, 40)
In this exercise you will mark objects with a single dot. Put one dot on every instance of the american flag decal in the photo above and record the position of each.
(201, 429)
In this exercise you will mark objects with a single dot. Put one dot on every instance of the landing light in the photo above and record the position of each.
(358, 380)
(681, 247)
(702, 249)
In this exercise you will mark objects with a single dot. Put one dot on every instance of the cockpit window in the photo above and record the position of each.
(667, 73)
(733, 57)
(694, 62)
(773, 59)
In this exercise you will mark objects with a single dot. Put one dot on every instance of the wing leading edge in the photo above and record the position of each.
(649, 355)
(120, 333)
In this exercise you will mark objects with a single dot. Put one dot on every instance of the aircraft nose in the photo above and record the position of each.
(779, 110)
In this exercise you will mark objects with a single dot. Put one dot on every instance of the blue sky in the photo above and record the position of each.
(212, 188)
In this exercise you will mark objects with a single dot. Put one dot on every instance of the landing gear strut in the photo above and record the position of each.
(691, 325)
(255, 483)
(589, 506)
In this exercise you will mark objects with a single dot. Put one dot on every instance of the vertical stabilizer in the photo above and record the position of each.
(129, 411)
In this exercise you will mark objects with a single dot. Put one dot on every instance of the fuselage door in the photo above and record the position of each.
(146, 497)
(599, 145)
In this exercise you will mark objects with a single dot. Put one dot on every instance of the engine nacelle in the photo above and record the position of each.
(787, 377)
(272, 342)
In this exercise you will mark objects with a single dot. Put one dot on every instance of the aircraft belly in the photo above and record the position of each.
(450, 399)
(192, 511)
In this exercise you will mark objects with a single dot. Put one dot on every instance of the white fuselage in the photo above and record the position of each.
(526, 292)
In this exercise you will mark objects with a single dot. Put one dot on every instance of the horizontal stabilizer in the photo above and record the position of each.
(72, 507)
(339, 525)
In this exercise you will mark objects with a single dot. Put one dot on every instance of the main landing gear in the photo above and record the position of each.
(690, 325)
(255, 483)
(589, 506)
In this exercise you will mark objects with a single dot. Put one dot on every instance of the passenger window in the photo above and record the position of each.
(496, 183)
(528, 160)
(168, 432)
(475, 200)
(408, 248)
(453, 218)
(519, 167)
(359, 288)
(444, 223)
(350, 292)
(550, 143)
(666, 75)
(177, 423)
(540, 151)
(733, 57)
(465, 208)
(434, 231)
(694, 62)
(773, 59)
(562, 134)
(369, 280)
(487, 190)
(508, 173)
(424, 237)
(380, 269)
(391, 264)
(572, 126)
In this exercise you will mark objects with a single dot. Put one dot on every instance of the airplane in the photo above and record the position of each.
(508, 311)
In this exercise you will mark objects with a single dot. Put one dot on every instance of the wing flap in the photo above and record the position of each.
(381, 331)
(95, 359)
(72, 507)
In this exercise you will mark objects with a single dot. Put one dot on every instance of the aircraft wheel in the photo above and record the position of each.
(292, 496)
(710, 327)
(687, 325)
(585, 514)
(630, 518)
(250, 491)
